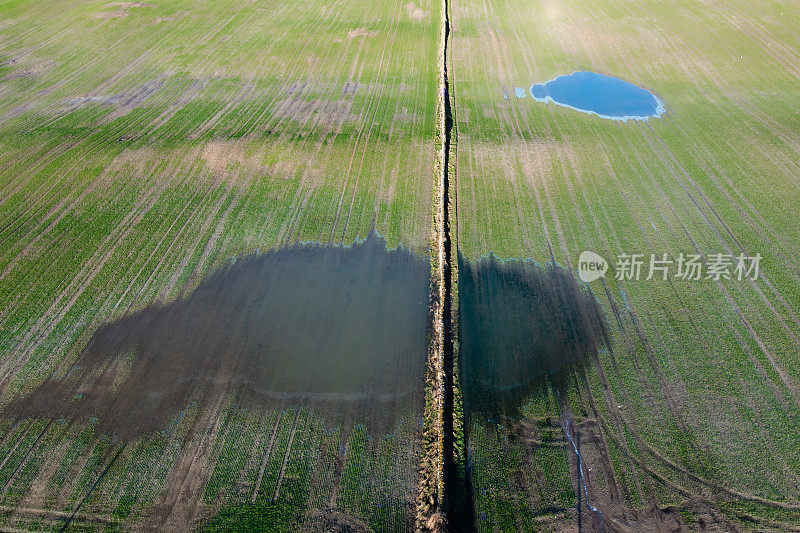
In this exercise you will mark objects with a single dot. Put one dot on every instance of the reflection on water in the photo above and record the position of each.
(342, 330)
(522, 327)
(605, 96)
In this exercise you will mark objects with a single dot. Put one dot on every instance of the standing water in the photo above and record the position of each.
(342, 329)
(605, 96)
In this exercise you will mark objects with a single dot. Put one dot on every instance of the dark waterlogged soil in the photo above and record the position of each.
(523, 327)
(340, 329)
(344, 328)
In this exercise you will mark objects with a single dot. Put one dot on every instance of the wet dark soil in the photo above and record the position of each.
(339, 329)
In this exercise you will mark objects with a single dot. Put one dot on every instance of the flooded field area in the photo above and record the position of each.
(319, 352)
(311, 324)
(605, 96)
(289, 386)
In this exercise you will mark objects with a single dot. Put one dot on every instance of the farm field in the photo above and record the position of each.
(313, 266)
(173, 357)
(689, 416)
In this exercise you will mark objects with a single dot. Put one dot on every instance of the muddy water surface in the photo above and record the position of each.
(341, 330)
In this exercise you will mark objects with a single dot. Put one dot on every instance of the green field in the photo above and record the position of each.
(695, 408)
(145, 146)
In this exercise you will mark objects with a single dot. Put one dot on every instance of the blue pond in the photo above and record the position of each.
(604, 96)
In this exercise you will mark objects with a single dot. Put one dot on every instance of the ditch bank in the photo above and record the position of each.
(440, 503)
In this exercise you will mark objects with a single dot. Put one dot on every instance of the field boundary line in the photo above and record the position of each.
(437, 468)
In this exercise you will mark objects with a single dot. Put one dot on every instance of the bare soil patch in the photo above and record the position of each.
(361, 32)
(232, 158)
(416, 13)
(36, 69)
(122, 9)
(219, 155)
(127, 5)
(332, 521)
(169, 18)
(117, 13)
